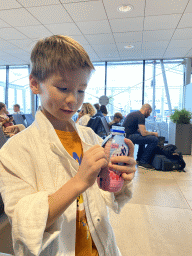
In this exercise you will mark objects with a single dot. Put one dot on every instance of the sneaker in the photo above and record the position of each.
(145, 166)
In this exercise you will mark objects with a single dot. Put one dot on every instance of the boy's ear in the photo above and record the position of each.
(34, 84)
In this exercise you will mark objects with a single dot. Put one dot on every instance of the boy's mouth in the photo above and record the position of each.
(67, 111)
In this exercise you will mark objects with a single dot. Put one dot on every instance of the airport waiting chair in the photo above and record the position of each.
(29, 119)
(3, 138)
(18, 118)
(105, 125)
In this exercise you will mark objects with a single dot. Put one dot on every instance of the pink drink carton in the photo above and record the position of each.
(109, 179)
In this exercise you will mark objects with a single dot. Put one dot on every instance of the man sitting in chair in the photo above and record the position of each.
(136, 131)
(16, 109)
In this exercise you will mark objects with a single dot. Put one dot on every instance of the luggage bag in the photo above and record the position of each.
(161, 162)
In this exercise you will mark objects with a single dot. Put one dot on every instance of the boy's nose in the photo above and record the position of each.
(72, 98)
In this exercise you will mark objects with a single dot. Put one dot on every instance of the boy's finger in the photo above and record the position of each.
(123, 159)
(130, 146)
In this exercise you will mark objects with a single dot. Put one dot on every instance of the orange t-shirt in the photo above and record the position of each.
(84, 245)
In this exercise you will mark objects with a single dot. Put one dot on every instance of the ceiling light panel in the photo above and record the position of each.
(86, 11)
(4, 24)
(100, 39)
(106, 50)
(94, 27)
(18, 17)
(181, 33)
(11, 33)
(125, 8)
(77, 1)
(50, 14)
(64, 29)
(178, 52)
(80, 39)
(130, 37)
(161, 22)
(29, 3)
(154, 7)
(189, 7)
(35, 31)
(113, 13)
(186, 21)
(128, 24)
(9, 4)
(158, 35)
(186, 43)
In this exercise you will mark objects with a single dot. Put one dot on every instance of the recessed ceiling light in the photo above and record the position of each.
(125, 8)
(128, 46)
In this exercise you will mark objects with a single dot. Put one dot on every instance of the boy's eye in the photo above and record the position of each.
(81, 91)
(62, 89)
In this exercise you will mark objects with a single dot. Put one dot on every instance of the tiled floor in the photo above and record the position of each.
(156, 222)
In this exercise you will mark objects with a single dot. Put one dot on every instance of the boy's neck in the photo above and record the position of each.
(67, 127)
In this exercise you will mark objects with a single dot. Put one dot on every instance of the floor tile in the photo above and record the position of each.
(186, 188)
(154, 174)
(158, 192)
(143, 230)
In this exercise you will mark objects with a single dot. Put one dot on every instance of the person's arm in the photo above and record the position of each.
(5, 121)
(93, 160)
(63, 198)
(144, 132)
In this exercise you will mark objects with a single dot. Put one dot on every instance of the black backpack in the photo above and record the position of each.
(96, 125)
(168, 156)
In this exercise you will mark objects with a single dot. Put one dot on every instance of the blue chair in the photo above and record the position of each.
(29, 119)
(18, 118)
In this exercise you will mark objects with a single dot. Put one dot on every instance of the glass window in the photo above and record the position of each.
(11, 99)
(2, 83)
(124, 86)
(96, 86)
(174, 75)
(19, 80)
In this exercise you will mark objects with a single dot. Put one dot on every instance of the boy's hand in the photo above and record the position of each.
(93, 160)
(128, 169)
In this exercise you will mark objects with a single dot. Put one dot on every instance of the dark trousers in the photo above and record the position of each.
(144, 154)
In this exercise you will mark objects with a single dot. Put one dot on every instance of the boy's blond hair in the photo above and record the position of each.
(55, 54)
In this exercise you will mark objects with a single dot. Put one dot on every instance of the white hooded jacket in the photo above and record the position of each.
(33, 165)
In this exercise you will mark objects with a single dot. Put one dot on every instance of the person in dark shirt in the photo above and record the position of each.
(136, 131)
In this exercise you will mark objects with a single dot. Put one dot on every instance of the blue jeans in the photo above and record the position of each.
(144, 153)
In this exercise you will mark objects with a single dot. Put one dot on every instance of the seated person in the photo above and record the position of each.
(99, 113)
(16, 109)
(8, 127)
(116, 120)
(135, 131)
(103, 110)
(87, 111)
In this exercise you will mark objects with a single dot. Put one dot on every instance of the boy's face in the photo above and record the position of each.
(62, 95)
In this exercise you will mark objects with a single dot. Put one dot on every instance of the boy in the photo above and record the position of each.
(48, 172)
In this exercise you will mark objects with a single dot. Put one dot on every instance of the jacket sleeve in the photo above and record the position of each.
(26, 208)
(116, 202)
